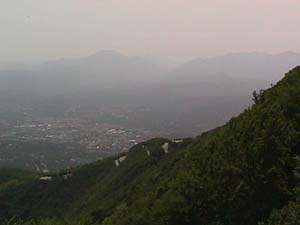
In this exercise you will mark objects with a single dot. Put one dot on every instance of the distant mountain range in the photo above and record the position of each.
(188, 94)
(253, 65)
(112, 70)
(101, 71)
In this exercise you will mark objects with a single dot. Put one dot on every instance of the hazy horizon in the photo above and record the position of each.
(173, 29)
(166, 61)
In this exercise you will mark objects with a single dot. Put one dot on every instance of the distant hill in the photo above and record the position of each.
(253, 65)
(245, 172)
(104, 70)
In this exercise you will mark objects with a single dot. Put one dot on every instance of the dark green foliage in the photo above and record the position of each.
(39, 155)
(246, 172)
(289, 215)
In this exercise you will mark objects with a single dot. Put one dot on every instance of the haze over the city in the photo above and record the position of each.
(34, 30)
(143, 112)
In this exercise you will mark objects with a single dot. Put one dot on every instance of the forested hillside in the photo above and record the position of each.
(245, 172)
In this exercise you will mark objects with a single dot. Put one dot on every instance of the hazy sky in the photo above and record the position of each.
(177, 29)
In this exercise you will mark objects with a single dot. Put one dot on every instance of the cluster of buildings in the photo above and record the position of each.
(94, 139)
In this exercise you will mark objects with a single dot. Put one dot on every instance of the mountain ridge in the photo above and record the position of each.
(245, 172)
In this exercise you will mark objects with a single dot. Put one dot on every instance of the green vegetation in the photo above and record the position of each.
(39, 155)
(246, 172)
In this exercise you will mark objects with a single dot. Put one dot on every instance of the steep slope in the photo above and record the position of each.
(235, 174)
(240, 173)
(92, 190)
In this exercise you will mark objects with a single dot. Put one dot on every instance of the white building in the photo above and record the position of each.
(46, 178)
(148, 153)
(123, 158)
(120, 160)
(177, 141)
(166, 147)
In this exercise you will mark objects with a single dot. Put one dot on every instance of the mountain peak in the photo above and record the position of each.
(106, 53)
